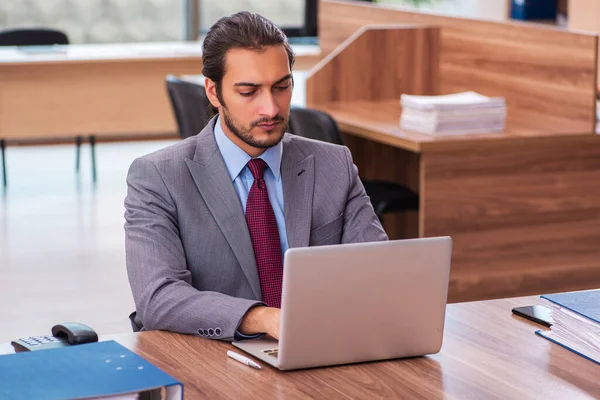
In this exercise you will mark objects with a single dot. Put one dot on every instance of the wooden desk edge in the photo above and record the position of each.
(443, 143)
(129, 339)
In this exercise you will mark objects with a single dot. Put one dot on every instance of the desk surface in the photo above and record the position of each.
(117, 52)
(380, 121)
(487, 353)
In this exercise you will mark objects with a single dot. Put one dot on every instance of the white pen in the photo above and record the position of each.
(242, 359)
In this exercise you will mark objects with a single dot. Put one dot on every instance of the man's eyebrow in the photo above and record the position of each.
(257, 85)
(247, 84)
(285, 78)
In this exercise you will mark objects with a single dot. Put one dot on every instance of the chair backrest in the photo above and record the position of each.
(190, 104)
(32, 37)
(314, 124)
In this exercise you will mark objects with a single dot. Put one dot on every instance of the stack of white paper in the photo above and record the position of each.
(453, 114)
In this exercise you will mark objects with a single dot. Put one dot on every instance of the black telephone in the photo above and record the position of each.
(69, 333)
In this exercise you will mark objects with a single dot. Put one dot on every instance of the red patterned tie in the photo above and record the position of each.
(265, 236)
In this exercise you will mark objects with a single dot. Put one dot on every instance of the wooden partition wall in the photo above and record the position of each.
(547, 72)
(522, 206)
(105, 98)
(377, 63)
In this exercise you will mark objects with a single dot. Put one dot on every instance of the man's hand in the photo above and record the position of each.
(261, 319)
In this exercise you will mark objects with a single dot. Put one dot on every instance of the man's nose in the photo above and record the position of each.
(268, 107)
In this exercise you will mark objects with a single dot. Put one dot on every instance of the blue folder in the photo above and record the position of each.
(586, 304)
(555, 341)
(583, 303)
(82, 371)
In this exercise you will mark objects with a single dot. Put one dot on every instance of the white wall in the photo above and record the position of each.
(494, 10)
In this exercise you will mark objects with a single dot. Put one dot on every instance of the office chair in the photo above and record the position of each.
(191, 107)
(385, 196)
(41, 37)
(32, 37)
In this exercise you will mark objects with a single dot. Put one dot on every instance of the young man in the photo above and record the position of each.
(209, 219)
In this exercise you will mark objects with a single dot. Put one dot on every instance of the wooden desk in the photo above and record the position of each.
(487, 354)
(101, 90)
(520, 205)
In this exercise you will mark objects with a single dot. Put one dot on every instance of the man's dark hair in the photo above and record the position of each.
(243, 30)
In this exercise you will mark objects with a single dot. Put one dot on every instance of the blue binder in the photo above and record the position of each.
(83, 371)
(533, 9)
(582, 303)
(555, 341)
(586, 304)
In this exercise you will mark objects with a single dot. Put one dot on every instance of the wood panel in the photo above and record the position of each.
(524, 216)
(103, 98)
(487, 354)
(378, 63)
(536, 68)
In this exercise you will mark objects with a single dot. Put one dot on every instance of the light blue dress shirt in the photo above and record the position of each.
(236, 161)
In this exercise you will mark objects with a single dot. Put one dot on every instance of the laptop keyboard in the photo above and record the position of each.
(272, 352)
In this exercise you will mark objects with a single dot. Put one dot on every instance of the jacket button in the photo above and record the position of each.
(211, 332)
(200, 332)
(218, 332)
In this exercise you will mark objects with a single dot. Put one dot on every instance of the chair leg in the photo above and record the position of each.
(78, 140)
(93, 149)
(3, 150)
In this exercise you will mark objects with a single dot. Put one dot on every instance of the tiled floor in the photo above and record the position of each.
(61, 239)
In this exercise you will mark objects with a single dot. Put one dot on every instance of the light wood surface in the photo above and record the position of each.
(379, 121)
(101, 90)
(536, 68)
(393, 60)
(103, 98)
(523, 216)
(487, 354)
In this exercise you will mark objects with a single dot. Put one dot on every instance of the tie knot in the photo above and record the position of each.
(257, 167)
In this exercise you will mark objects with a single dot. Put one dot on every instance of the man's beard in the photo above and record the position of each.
(245, 135)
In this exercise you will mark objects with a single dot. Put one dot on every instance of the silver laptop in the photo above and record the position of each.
(359, 302)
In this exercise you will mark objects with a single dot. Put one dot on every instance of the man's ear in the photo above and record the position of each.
(211, 92)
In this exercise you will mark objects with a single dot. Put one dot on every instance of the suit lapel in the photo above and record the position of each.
(298, 174)
(212, 179)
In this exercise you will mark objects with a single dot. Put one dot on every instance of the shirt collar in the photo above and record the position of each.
(236, 159)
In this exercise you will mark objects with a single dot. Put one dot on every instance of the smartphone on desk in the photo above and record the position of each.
(66, 334)
(538, 314)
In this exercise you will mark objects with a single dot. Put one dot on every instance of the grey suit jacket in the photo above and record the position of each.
(189, 255)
